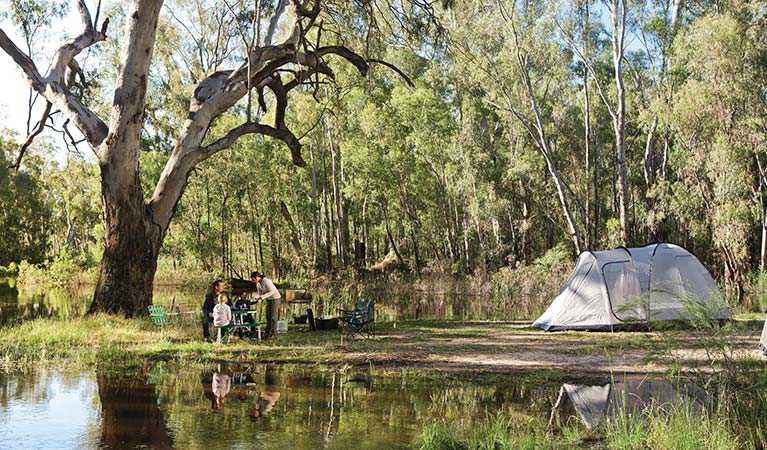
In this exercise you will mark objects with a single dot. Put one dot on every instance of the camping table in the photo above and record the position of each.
(238, 321)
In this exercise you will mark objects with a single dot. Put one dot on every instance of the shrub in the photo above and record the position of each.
(527, 289)
(11, 271)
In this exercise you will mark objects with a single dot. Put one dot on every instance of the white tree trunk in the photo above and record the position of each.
(618, 33)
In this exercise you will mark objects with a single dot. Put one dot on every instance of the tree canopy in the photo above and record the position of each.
(527, 125)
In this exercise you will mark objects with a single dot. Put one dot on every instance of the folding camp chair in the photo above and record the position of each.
(158, 316)
(359, 321)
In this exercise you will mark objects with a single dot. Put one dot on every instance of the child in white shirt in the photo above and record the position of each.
(222, 314)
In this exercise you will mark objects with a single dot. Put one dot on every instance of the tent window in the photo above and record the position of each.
(623, 289)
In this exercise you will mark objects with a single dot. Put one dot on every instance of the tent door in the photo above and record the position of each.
(623, 291)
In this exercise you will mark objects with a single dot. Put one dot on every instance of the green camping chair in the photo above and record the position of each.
(159, 317)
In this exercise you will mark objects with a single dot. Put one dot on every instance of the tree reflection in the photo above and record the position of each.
(130, 415)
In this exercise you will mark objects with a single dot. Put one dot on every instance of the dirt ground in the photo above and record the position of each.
(514, 347)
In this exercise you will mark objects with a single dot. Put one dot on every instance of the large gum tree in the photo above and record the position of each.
(135, 228)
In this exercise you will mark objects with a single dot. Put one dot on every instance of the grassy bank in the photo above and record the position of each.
(439, 345)
(110, 340)
(670, 428)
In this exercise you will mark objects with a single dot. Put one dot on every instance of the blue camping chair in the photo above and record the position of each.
(359, 321)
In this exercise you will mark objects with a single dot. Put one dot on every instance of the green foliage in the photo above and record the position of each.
(444, 177)
(10, 271)
(34, 16)
(25, 217)
(527, 289)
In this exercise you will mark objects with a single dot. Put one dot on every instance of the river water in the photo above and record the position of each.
(281, 407)
(18, 305)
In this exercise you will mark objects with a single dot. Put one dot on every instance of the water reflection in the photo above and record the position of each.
(268, 396)
(636, 398)
(130, 416)
(18, 305)
(243, 406)
(49, 409)
(278, 407)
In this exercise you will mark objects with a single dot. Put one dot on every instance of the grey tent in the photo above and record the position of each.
(597, 404)
(763, 341)
(632, 285)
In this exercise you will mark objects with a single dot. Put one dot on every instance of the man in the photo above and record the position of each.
(267, 290)
(208, 305)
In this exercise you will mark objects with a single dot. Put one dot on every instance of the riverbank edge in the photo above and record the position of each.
(431, 346)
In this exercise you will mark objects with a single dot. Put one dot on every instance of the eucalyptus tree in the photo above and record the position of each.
(285, 53)
(718, 119)
(511, 47)
(24, 212)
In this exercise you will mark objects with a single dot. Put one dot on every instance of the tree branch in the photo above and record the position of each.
(252, 128)
(23, 61)
(53, 87)
(38, 129)
(394, 68)
(74, 46)
(314, 59)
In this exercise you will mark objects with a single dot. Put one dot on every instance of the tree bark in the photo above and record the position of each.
(587, 126)
(619, 120)
(131, 246)
(132, 237)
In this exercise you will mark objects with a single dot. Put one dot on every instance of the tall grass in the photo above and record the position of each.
(681, 426)
(678, 426)
(503, 431)
(732, 413)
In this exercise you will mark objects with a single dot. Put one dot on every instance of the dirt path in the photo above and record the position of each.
(514, 347)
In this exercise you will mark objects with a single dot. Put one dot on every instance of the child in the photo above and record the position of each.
(222, 314)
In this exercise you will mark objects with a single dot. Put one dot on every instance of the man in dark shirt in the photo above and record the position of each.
(207, 306)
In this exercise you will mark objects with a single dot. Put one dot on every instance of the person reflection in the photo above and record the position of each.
(220, 385)
(216, 388)
(268, 396)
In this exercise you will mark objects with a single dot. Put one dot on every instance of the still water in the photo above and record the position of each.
(279, 407)
(18, 305)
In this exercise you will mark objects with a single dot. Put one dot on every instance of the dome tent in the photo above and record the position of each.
(631, 285)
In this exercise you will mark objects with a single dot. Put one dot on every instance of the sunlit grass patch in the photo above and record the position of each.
(496, 431)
